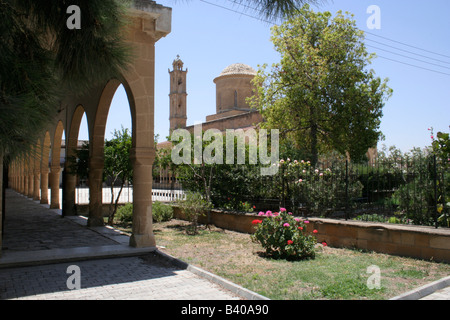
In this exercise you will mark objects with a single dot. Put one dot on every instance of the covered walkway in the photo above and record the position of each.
(39, 245)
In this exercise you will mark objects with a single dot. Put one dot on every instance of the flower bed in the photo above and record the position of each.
(411, 241)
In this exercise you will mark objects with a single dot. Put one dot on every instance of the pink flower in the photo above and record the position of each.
(297, 219)
(306, 221)
(290, 242)
(268, 213)
(282, 209)
(290, 213)
(286, 225)
(261, 213)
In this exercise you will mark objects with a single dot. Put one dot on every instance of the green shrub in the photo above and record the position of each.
(125, 213)
(193, 206)
(161, 212)
(283, 236)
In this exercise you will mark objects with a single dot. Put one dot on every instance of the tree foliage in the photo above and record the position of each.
(41, 60)
(275, 9)
(117, 169)
(321, 95)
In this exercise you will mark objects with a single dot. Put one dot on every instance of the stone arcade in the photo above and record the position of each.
(33, 175)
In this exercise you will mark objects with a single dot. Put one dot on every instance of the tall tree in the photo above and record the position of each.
(41, 59)
(321, 94)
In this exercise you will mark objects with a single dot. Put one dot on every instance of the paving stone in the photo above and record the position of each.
(30, 227)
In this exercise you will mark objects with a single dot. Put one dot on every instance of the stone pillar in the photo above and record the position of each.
(44, 185)
(36, 184)
(54, 186)
(69, 184)
(25, 184)
(95, 192)
(21, 182)
(30, 192)
(142, 229)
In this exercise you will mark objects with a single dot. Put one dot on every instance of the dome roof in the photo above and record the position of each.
(238, 68)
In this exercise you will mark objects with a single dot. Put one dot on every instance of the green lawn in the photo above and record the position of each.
(334, 273)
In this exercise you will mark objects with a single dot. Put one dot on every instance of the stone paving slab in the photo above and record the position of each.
(137, 278)
(31, 226)
(39, 246)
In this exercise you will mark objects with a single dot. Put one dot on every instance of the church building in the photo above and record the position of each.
(233, 87)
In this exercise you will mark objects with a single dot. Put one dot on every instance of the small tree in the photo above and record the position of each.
(118, 166)
(79, 161)
(193, 206)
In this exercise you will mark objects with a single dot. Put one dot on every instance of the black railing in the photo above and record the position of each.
(405, 190)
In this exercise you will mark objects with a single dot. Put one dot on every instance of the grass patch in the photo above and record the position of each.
(335, 274)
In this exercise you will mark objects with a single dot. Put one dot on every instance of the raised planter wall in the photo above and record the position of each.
(419, 242)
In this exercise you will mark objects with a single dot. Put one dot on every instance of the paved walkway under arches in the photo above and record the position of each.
(39, 245)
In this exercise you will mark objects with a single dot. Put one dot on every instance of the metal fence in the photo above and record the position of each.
(402, 191)
(414, 190)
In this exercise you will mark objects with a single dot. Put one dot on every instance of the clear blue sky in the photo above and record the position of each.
(209, 38)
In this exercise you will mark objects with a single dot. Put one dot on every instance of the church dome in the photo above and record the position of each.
(238, 69)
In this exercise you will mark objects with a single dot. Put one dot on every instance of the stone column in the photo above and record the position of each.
(30, 192)
(54, 186)
(95, 192)
(25, 184)
(36, 184)
(44, 185)
(142, 236)
(21, 181)
(69, 184)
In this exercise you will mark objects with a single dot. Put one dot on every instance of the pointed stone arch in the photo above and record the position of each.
(70, 179)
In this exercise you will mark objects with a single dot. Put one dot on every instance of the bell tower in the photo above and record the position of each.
(178, 95)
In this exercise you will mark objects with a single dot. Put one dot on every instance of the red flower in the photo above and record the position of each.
(290, 242)
(300, 228)
(256, 221)
(324, 244)
(315, 231)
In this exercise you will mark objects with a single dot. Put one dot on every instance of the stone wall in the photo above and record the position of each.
(412, 241)
(418, 242)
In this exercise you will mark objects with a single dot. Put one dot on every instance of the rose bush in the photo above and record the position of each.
(284, 236)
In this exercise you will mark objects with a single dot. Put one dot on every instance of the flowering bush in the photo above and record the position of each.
(283, 236)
